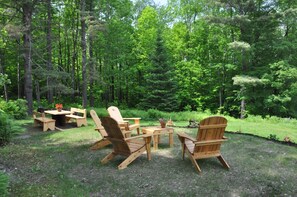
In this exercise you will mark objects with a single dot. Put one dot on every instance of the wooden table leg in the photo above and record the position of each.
(156, 142)
(171, 139)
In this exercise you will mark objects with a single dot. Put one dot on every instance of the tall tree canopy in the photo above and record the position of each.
(230, 56)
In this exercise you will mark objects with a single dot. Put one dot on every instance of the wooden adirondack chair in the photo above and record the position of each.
(115, 113)
(208, 142)
(104, 141)
(131, 147)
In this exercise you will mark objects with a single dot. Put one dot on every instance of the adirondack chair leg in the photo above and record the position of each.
(100, 144)
(183, 150)
(109, 157)
(148, 147)
(171, 140)
(138, 131)
(131, 158)
(183, 146)
(194, 162)
(224, 163)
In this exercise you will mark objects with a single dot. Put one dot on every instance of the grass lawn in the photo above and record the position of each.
(60, 163)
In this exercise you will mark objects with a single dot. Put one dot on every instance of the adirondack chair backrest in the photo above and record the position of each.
(115, 113)
(115, 135)
(211, 128)
(98, 123)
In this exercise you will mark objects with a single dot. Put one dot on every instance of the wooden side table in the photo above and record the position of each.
(157, 132)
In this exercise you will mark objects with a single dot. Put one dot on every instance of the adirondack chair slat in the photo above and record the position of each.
(130, 147)
(208, 141)
(115, 113)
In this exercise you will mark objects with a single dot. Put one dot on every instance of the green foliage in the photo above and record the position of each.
(281, 81)
(4, 79)
(7, 128)
(146, 32)
(273, 137)
(15, 108)
(160, 82)
(155, 114)
(3, 184)
(101, 112)
(210, 43)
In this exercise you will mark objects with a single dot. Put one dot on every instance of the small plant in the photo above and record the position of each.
(273, 137)
(187, 108)
(7, 128)
(3, 184)
(59, 106)
(16, 109)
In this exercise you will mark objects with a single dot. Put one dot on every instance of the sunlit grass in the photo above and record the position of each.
(59, 163)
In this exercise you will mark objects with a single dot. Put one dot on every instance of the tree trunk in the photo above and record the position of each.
(84, 54)
(92, 72)
(37, 92)
(27, 19)
(242, 109)
(49, 52)
(74, 55)
(91, 62)
(19, 71)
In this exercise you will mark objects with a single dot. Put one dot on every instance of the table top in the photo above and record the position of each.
(56, 112)
(157, 128)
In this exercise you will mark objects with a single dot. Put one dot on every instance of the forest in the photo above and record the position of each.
(234, 57)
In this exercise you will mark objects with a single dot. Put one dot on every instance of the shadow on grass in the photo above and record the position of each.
(61, 164)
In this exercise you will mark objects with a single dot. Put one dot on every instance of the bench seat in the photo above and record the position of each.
(46, 123)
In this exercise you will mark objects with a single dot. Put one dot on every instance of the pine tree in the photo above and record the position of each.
(161, 86)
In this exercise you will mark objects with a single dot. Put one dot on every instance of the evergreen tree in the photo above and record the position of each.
(161, 86)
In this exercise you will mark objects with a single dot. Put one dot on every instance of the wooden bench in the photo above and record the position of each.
(46, 123)
(80, 115)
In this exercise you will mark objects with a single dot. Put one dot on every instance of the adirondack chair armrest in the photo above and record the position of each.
(209, 142)
(148, 136)
(131, 118)
(184, 136)
(123, 122)
(225, 138)
(139, 136)
(136, 120)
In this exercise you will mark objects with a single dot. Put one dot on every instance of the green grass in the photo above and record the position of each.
(60, 163)
(277, 128)
(265, 129)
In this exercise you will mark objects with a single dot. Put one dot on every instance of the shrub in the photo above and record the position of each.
(155, 114)
(16, 109)
(273, 137)
(7, 128)
(133, 113)
(3, 184)
(101, 112)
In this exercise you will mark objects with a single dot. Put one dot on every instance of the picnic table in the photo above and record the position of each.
(59, 116)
